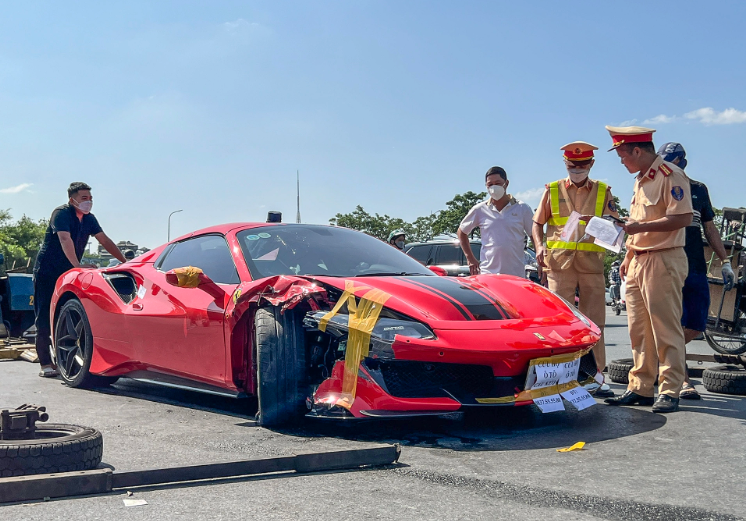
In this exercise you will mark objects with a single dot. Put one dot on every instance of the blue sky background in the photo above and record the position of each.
(210, 107)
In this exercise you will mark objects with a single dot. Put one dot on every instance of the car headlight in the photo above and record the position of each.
(385, 329)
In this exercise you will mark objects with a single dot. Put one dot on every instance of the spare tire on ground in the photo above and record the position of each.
(725, 379)
(55, 448)
(618, 370)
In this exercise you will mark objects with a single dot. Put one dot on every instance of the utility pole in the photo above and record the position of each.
(297, 187)
(169, 223)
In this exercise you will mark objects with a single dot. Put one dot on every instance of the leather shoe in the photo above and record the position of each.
(665, 403)
(630, 398)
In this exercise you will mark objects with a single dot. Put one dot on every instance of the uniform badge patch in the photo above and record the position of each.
(677, 192)
(612, 206)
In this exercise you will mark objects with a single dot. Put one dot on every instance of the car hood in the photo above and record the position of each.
(477, 300)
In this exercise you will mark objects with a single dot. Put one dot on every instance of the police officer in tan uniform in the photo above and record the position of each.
(571, 262)
(655, 269)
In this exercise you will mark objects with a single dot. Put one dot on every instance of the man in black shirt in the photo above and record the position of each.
(696, 291)
(66, 238)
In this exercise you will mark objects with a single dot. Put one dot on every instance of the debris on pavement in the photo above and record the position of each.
(578, 446)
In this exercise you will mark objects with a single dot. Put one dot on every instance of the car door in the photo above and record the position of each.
(181, 330)
(421, 253)
(451, 258)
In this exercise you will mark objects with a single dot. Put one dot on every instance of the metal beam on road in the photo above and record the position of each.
(61, 484)
(67, 484)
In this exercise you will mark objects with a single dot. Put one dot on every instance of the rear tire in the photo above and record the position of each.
(282, 378)
(57, 448)
(73, 347)
(725, 379)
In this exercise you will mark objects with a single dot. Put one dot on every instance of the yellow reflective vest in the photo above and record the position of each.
(584, 256)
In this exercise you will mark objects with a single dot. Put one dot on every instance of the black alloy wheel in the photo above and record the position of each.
(74, 347)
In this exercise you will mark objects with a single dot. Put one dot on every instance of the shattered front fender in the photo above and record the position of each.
(283, 291)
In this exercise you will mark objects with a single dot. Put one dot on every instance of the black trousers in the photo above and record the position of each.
(43, 291)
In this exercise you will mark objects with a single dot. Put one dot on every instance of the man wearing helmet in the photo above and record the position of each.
(696, 293)
(615, 280)
(397, 239)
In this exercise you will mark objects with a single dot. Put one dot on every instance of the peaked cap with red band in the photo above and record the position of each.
(578, 151)
(622, 135)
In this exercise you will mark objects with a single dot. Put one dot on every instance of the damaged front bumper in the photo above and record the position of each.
(429, 376)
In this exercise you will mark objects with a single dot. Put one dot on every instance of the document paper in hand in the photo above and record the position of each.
(607, 234)
(571, 226)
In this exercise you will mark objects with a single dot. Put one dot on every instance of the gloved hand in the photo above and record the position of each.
(729, 278)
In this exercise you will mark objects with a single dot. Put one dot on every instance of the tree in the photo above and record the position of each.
(448, 220)
(378, 226)
(422, 229)
(620, 209)
(20, 241)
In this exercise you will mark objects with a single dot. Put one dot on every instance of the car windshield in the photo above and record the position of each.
(294, 249)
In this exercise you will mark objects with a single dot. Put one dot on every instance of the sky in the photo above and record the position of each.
(212, 107)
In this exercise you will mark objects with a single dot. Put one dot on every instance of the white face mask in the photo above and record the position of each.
(496, 192)
(578, 175)
(84, 206)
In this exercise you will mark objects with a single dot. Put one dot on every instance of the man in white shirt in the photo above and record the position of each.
(504, 222)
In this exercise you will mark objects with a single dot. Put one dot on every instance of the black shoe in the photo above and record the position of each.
(665, 403)
(630, 398)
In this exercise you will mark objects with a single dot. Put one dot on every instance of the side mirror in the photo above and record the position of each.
(191, 277)
(188, 277)
(438, 271)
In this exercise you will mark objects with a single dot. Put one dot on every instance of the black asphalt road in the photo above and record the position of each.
(498, 465)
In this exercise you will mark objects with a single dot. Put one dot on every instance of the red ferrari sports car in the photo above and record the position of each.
(317, 320)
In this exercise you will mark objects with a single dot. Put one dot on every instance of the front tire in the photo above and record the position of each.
(73, 346)
(282, 378)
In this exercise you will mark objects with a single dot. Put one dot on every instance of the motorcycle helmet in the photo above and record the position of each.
(396, 233)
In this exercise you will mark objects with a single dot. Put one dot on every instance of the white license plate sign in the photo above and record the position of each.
(551, 381)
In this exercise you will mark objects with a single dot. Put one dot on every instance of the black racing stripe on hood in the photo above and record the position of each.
(486, 293)
(460, 307)
(481, 307)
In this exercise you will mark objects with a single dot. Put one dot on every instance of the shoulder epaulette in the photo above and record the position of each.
(664, 168)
